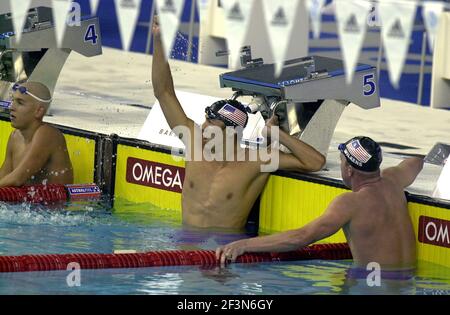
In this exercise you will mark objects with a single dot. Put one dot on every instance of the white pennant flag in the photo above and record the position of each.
(19, 11)
(127, 15)
(442, 189)
(352, 24)
(397, 21)
(431, 13)
(203, 8)
(60, 11)
(169, 12)
(315, 12)
(94, 6)
(237, 17)
(279, 16)
(330, 8)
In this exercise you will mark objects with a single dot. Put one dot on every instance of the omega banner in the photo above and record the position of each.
(155, 175)
(434, 231)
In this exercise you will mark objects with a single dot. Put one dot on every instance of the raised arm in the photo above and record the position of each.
(303, 156)
(338, 213)
(406, 172)
(34, 160)
(163, 85)
(7, 166)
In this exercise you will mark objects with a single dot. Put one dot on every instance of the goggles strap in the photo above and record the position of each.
(25, 91)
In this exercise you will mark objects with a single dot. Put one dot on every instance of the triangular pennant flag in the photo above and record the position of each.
(373, 19)
(431, 13)
(397, 19)
(329, 9)
(352, 24)
(237, 17)
(60, 11)
(169, 12)
(127, 16)
(279, 16)
(94, 6)
(203, 7)
(19, 11)
(315, 12)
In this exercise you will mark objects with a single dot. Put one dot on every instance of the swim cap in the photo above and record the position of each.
(362, 153)
(231, 112)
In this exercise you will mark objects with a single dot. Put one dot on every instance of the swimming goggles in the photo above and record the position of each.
(211, 114)
(23, 90)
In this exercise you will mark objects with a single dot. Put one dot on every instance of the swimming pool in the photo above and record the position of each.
(88, 228)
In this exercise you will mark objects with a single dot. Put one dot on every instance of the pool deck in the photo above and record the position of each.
(113, 93)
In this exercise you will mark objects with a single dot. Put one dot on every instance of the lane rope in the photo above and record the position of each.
(27, 263)
(46, 194)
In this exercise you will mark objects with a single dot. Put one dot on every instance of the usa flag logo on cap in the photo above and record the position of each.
(233, 114)
(356, 149)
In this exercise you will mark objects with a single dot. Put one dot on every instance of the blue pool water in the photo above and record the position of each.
(90, 229)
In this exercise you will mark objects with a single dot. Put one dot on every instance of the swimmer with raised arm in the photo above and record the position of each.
(220, 194)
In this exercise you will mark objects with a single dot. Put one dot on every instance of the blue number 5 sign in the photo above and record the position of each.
(369, 85)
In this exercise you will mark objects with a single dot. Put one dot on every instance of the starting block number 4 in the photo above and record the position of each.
(369, 86)
(91, 35)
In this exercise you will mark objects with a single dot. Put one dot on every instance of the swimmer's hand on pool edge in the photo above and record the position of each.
(229, 253)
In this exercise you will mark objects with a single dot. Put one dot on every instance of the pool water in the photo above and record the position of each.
(89, 228)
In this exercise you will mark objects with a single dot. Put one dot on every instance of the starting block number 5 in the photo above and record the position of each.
(369, 85)
(91, 35)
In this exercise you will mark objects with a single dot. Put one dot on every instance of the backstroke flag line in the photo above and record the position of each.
(351, 18)
(60, 11)
(127, 16)
(169, 12)
(431, 13)
(237, 17)
(397, 20)
(94, 6)
(19, 12)
(279, 16)
(314, 8)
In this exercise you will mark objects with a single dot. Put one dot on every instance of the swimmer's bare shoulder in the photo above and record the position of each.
(345, 202)
(46, 136)
(52, 148)
(342, 210)
(14, 137)
(50, 136)
(42, 154)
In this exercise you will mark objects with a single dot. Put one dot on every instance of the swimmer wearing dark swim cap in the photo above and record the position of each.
(231, 112)
(223, 179)
(362, 153)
